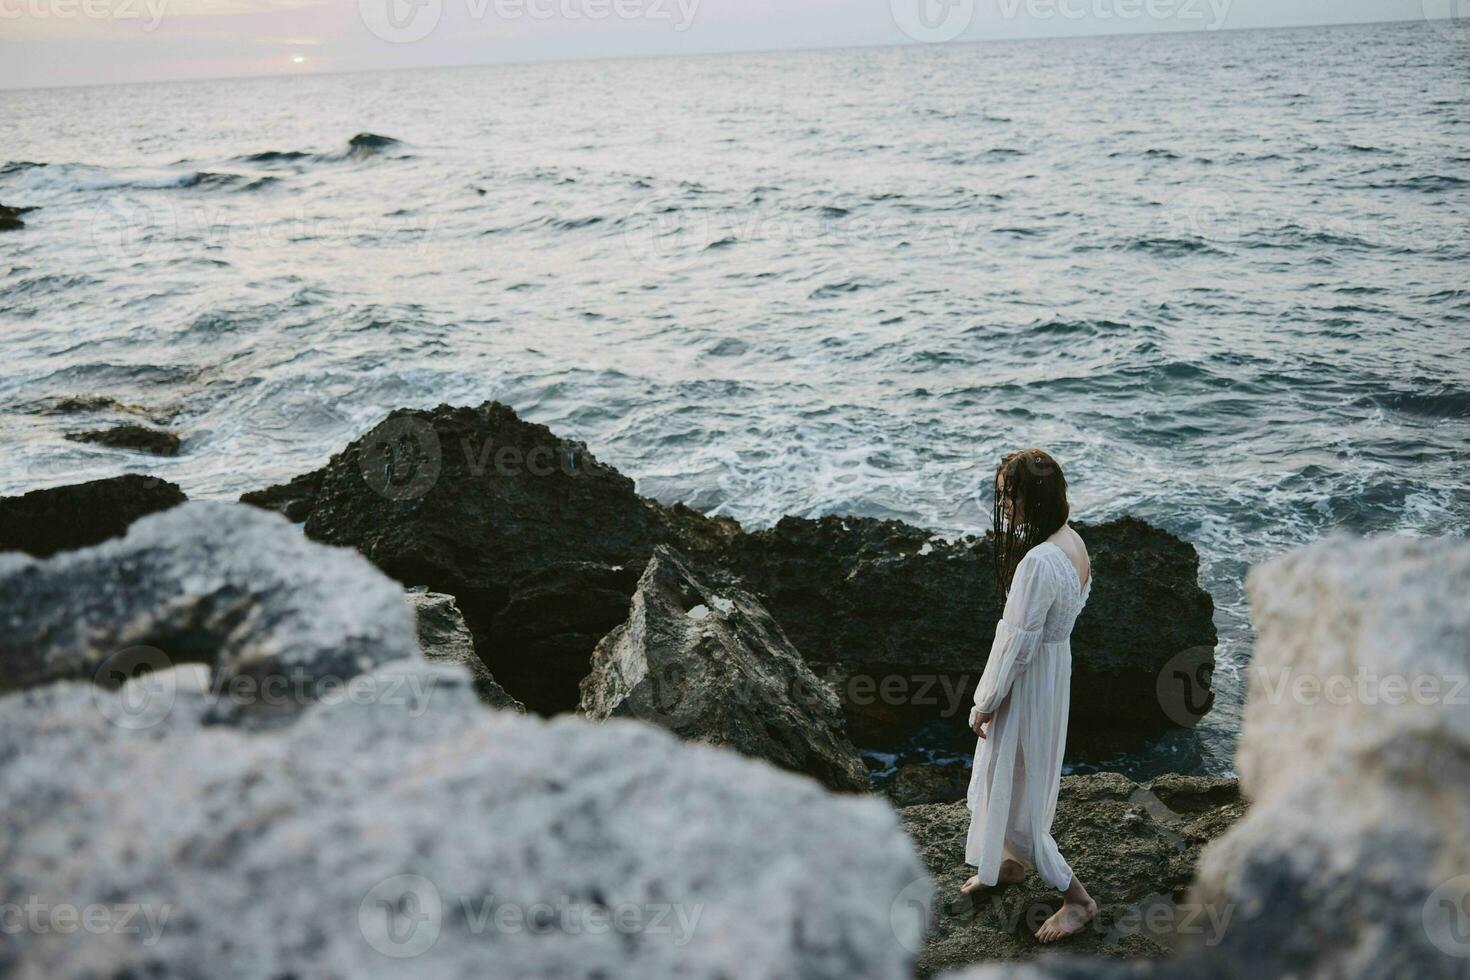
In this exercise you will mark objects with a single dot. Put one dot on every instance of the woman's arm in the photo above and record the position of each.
(1017, 635)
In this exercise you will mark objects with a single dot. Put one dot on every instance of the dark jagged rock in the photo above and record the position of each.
(711, 665)
(139, 438)
(883, 603)
(44, 522)
(541, 640)
(370, 142)
(445, 638)
(498, 512)
(10, 217)
(540, 544)
(1134, 846)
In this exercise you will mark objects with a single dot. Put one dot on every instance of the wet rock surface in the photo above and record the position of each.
(10, 219)
(498, 512)
(138, 438)
(1133, 846)
(44, 522)
(430, 835)
(885, 603)
(711, 665)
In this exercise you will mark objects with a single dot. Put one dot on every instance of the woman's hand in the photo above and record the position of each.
(980, 720)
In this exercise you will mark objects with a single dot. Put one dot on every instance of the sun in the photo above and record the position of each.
(298, 59)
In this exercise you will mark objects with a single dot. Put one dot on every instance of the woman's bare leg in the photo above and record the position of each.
(1077, 910)
(1011, 873)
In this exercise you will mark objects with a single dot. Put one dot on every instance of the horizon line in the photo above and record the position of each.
(714, 53)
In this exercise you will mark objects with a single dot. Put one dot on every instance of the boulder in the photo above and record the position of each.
(541, 640)
(481, 505)
(280, 619)
(446, 639)
(540, 545)
(1134, 847)
(1355, 749)
(10, 217)
(43, 522)
(711, 665)
(904, 620)
(138, 438)
(434, 838)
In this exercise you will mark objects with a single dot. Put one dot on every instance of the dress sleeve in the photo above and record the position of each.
(1018, 633)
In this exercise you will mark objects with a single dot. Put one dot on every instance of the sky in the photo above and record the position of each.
(84, 42)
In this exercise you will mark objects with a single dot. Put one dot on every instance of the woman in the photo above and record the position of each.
(1043, 576)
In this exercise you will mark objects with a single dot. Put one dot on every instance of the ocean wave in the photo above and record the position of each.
(1423, 184)
(363, 146)
(73, 178)
(18, 166)
(1167, 248)
(1433, 401)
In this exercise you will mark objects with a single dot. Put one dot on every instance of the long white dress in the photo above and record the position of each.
(1027, 684)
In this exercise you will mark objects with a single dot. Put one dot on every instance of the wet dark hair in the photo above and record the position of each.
(1034, 484)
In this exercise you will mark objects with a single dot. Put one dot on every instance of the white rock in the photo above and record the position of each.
(279, 618)
(414, 835)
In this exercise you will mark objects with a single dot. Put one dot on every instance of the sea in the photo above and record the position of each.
(1224, 278)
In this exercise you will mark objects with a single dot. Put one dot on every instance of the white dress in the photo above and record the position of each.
(1027, 684)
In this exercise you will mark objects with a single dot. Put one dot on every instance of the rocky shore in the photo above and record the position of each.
(1135, 846)
(542, 546)
(320, 753)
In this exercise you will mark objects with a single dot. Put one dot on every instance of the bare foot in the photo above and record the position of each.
(1067, 920)
(1011, 873)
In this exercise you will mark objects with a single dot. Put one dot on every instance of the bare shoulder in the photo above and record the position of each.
(1072, 545)
(1081, 545)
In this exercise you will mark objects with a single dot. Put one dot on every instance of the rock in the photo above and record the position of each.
(433, 837)
(445, 638)
(139, 438)
(712, 666)
(476, 503)
(10, 217)
(280, 619)
(906, 619)
(1139, 870)
(919, 783)
(1355, 749)
(43, 522)
(541, 640)
(539, 544)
